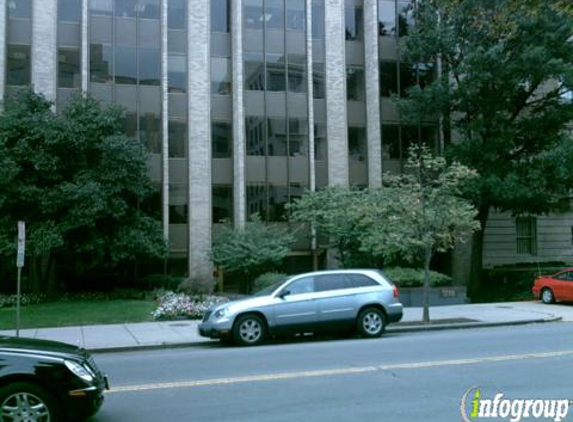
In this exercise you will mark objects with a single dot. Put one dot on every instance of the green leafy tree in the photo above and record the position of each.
(78, 183)
(251, 250)
(421, 212)
(505, 95)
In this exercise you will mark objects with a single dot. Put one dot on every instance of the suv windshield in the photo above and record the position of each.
(269, 289)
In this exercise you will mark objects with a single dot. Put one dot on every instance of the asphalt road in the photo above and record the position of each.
(400, 377)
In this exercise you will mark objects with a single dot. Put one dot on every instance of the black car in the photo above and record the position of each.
(47, 381)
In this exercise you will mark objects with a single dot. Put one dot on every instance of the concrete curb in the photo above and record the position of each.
(395, 329)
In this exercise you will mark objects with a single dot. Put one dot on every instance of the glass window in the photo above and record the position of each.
(274, 14)
(386, 17)
(176, 73)
(355, 83)
(254, 72)
(295, 19)
(526, 230)
(357, 143)
(407, 78)
(150, 132)
(69, 10)
(69, 74)
(149, 9)
(257, 200)
(318, 85)
(277, 137)
(359, 280)
(130, 125)
(176, 12)
(388, 79)
(18, 64)
(278, 198)
(101, 7)
(125, 65)
(296, 73)
(297, 137)
(405, 16)
(220, 17)
(390, 142)
(20, 9)
(222, 203)
(318, 19)
(149, 66)
(178, 214)
(276, 77)
(177, 138)
(253, 14)
(222, 139)
(319, 141)
(325, 283)
(220, 75)
(301, 286)
(255, 131)
(101, 62)
(126, 8)
(353, 21)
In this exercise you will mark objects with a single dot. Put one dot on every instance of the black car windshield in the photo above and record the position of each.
(269, 289)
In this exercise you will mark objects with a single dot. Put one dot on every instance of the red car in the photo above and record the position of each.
(558, 286)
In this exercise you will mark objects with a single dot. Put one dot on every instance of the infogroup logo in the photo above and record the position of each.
(475, 407)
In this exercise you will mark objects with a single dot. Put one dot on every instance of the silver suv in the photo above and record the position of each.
(340, 300)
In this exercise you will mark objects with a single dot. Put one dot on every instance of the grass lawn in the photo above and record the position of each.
(61, 314)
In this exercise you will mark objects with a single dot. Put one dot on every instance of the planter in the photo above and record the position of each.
(439, 296)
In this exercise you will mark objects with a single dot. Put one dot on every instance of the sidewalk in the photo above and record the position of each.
(148, 335)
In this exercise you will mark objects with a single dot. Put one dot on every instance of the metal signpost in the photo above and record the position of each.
(20, 264)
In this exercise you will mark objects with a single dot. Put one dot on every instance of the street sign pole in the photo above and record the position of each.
(20, 264)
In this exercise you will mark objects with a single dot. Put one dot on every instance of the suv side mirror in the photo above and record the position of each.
(283, 294)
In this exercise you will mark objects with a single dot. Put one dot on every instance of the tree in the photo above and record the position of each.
(252, 250)
(420, 212)
(78, 183)
(505, 90)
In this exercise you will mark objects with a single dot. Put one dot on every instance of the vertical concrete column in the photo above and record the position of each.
(372, 69)
(3, 29)
(199, 140)
(44, 47)
(164, 123)
(85, 45)
(336, 124)
(239, 144)
(310, 97)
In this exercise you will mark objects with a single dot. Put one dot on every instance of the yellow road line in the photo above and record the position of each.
(336, 371)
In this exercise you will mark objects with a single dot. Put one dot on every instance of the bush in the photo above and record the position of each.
(410, 277)
(265, 280)
(161, 281)
(176, 305)
(196, 286)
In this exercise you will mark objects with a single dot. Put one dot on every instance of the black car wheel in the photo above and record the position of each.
(547, 295)
(249, 330)
(27, 402)
(371, 323)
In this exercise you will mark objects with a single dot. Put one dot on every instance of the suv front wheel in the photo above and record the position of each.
(249, 330)
(371, 322)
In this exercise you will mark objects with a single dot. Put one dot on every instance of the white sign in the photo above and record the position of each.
(21, 244)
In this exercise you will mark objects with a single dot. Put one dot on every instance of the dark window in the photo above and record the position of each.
(318, 85)
(297, 137)
(301, 286)
(410, 136)
(177, 138)
(359, 280)
(222, 203)
(274, 14)
(390, 142)
(526, 230)
(69, 74)
(101, 62)
(220, 75)
(296, 73)
(101, 7)
(386, 17)
(253, 14)
(388, 79)
(320, 141)
(222, 139)
(353, 21)
(318, 19)
(355, 83)
(278, 198)
(19, 9)
(276, 75)
(149, 66)
(572, 235)
(295, 19)
(257, 200)
(254, 72)
(130, 125)
(220, 15)
(126, 8)
(176, 13)
(408, 78)
(69, 10)
(177, 73)
(325, 283)
(357, 143)
(150, 132)
(18, 64)
(255, 134)
(177, 214)
(125, 65)
(277, 137)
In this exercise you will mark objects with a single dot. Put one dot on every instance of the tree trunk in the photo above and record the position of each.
(475, 282)
(426, 292)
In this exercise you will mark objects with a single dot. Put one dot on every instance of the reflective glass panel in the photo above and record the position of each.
(255, 133)
(390, 142)
(318, 19)
(274, 14)
(386, 17)
(320, 141)
(222, 203)
(220, 15)
(149, 9)
(125, 65)
(149, 66)
(177, 73)
(126, 8)
(297, 73)
(177, 138)
(357, 143)
(18, 64)
(69, 73)
(220, 75)
(254, 72)
(253, 14)
(257, 200)
(101, 62)
(276, 75)
(278, 198)
(405, 17)
(277, 137)
(150, 132)
(295, 19)
(353, 21)
(388, 79)
(355, 83)
(176, 12)
(19, 9)
(101, 7)
(69, 10)
(222, 139)
(318, 84)
(298, 137)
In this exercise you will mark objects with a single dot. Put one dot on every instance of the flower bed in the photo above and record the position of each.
(176, 305)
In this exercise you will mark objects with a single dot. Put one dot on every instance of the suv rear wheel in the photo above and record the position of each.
(371, 322)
